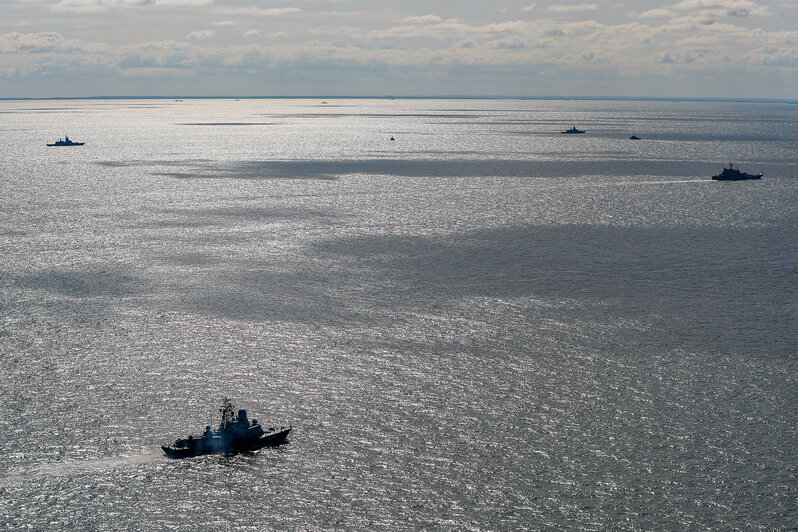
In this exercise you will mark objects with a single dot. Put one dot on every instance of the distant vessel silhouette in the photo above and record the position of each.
(634, 137)
(571, 131)
(66, 142)
(236, 434)
(734, 174)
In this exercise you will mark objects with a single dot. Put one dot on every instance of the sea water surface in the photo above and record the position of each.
(480, 325)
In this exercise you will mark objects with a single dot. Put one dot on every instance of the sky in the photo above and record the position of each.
(680, 48)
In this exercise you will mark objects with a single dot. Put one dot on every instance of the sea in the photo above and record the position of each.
(471, 321)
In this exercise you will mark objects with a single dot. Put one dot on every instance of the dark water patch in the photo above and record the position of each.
(442, 168)
(254, 213)
(424, 115)
(320, 170)
(227, 124)
(470, 153)
(489, 111)
(697, 285)
(623, 135)
(84, 283)
(375, 115)
(773, 139)
(24, 110)
(694, 288)
(502, 123)
(270, 294)
(142, 105)
(708, 120)
(38, 112)
(233, 216)
(7, 231)
(188, 259)
(145, 163)
(178, 223)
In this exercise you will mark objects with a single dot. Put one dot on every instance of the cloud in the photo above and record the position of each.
(572, 8)
(165, 3)
(201, 34)
(88, 6)
(20, 71)
(424, 19)
(657, 41)
(686, 57)
(43, 42)
(151, 72)
(588, 56)
(97, 5)
(657, 13)
(451, 29)
(170, 55)
(773, 56)
(732, 8)
(530, 7)
(257, 11)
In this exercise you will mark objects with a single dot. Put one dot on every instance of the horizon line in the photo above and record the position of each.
(415, 97)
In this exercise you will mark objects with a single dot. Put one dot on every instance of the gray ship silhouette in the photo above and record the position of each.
(235, 434)
(66, 142)
(734, 174)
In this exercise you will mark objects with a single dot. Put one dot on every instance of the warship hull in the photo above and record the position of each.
(738, 177)
(203, 446)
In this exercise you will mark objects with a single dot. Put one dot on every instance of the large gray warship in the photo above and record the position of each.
(734, 174)
(235, 434)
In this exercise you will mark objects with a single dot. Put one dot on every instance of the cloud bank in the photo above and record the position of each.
(687, 47)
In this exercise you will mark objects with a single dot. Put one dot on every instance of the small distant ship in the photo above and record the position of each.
(571, 131)
(236, 434)
(66, 142)
(734, 174)
(634, 137)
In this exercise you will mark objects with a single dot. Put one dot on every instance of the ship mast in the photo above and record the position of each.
(228, 417)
